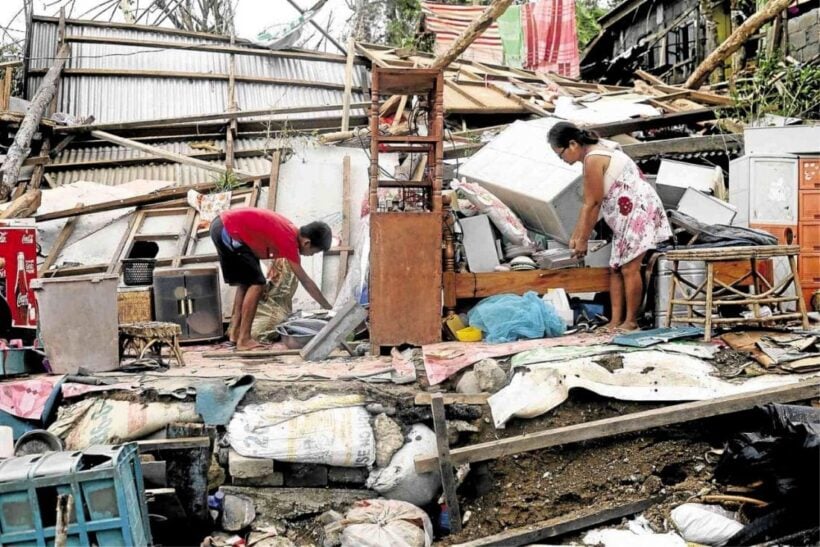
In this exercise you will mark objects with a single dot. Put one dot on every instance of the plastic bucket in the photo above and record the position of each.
(78, 322)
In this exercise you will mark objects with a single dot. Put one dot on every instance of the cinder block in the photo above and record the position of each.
(274, 479)
(304, 475)
(347, 475)
(240, 467)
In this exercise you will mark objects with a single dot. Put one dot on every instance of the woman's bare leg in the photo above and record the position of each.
(633, 291)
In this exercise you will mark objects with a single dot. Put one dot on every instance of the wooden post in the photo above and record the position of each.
(20, 149)
(345, 239)
(273, 184)
(348, 84)
(735, 41)
(448, 479)
(479, 25)
(65, 511)
(8, 79)
(62, 238)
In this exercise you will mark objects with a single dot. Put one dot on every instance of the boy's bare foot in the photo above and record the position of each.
(249, 345)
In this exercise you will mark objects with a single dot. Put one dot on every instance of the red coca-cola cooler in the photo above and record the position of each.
(18, 267)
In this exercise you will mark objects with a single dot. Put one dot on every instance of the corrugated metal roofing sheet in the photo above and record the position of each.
(181, 174)
(131, 98)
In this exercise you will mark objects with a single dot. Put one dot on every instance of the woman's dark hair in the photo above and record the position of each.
(563, 132)
(319, 235)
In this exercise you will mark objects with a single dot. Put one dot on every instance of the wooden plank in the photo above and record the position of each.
(399, 112)
(8, 80)
(220, 116)
(142, 160)
(424, 398)
(247, 354)
(273, 184)
(124, 245)
(571, 522)
(654, 122)
(458, 89)
(55, 250)
(480, 285)
(161, 153)
(345, 239)
(182, 443)
(351, 53)
(448, 478)
(176, 75)
(637, 421)
(684, 145)
(185, 237)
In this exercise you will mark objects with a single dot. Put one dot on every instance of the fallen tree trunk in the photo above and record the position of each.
(493, 12)
(24, 206)
(21, 147)
(735, 41)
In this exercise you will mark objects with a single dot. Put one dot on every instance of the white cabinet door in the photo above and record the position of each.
(773, 196)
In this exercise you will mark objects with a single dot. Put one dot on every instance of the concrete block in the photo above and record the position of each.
(347, 475)
(343, 323)
(304, 475)
(275, 478)
(293, 503)
(240, 467)
(797, 40)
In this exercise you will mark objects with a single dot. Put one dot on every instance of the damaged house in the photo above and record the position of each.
(466, 387)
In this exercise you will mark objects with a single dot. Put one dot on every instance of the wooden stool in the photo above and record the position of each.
(142, 336)
(713, 293)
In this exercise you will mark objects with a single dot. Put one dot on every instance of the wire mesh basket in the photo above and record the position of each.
(138, 271)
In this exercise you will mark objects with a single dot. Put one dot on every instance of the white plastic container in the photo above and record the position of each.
(78, 322)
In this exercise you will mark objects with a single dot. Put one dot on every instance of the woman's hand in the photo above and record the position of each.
(578, 247)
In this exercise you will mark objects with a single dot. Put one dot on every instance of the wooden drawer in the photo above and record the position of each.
(809, 268)
(810, 173)
(809, 204)
(809, 237)
(786, 235)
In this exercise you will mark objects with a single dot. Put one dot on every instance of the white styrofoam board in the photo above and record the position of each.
(686, 175)
(705, 208)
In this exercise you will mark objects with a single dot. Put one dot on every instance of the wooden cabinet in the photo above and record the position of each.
(809, 226)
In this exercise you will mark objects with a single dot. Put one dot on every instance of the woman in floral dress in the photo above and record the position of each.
(615, 189)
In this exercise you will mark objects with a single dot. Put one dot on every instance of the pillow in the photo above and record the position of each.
(511, 228)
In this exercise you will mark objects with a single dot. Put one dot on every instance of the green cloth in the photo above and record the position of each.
(512, 36)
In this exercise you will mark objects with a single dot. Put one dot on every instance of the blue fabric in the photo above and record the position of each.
(229, 241)
(646, 338)
(509, 317)
(216, 401)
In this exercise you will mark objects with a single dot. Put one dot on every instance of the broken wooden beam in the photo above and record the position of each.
(159, 196)
(638, 421)
(337, 329)
(684, 145)
(249, 354)
(654, 122)
(559, 526)
(182, 443)
(448, 476)
(168, 155)
(21, 147)
(24, 206)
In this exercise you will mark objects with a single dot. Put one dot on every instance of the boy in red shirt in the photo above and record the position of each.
(245, 236)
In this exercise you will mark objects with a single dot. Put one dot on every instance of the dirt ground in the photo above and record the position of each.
(526, 488)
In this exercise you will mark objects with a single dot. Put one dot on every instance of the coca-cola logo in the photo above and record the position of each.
(3, 237)
(28, 239)
(30, 266)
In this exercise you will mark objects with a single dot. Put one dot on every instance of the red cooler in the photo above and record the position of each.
(18, 267)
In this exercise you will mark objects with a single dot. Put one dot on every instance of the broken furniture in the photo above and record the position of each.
(99, 491)
(141, 337)
(405, 233)
(135, 304)
(87, 336)
(334, 333)
(701, 299)
(190, 298)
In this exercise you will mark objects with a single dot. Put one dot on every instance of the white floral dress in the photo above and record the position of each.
(632, 209)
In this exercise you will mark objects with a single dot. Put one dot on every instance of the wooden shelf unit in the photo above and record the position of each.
(405, 246)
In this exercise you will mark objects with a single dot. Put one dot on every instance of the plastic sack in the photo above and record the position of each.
(399, 480)
(354, 286)
(509, 317)
(276, 303)
(705, 524)
(374, 523)
(510, 226)
(306, 431)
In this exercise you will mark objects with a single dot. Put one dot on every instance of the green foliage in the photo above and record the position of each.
(780, 88)
(403, 19)
(587, 13)
(226, 182)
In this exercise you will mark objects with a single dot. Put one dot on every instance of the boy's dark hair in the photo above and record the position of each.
(319, 235)
(563, 132)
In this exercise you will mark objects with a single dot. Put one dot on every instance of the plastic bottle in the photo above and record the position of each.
(444, 519)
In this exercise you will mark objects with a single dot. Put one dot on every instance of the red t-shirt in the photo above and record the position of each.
(267, 234)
